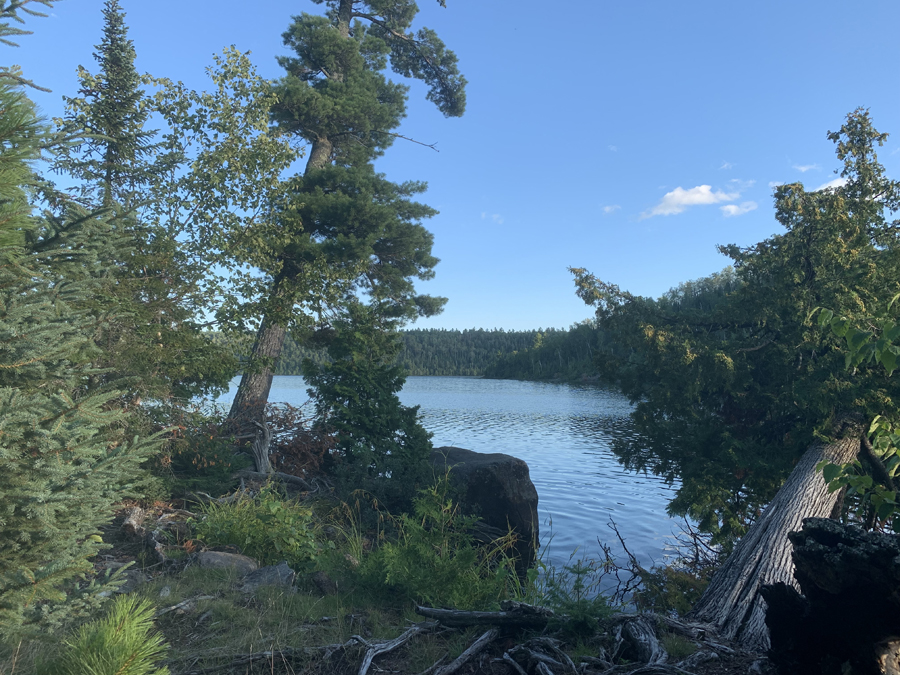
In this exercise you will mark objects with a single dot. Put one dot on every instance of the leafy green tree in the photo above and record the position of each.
(732, 387)
(159, 286)
(343, 222)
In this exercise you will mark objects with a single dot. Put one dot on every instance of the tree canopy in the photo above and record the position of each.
(730, 377)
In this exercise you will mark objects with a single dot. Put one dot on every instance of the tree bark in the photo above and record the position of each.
(732, 602)
(249, 403)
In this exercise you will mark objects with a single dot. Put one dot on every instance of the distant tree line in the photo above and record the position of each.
(434, 351)
(553, 354)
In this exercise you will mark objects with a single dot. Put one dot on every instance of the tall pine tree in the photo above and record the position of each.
(342, 215)
(157, 340)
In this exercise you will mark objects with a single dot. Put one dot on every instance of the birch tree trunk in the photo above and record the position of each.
(732, 602)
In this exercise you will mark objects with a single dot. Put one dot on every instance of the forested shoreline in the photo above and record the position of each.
(541, 354)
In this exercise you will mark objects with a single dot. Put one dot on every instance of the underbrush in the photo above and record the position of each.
(380, 566)
(266, 527)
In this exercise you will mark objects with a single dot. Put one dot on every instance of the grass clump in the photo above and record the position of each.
(121, 643)
(266, 527)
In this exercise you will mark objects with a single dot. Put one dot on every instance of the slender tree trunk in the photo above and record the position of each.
(732, 602)
(249, 403)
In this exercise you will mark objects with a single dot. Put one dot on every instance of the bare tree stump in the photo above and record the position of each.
(849, 612)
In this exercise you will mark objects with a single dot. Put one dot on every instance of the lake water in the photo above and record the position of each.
(563, 432)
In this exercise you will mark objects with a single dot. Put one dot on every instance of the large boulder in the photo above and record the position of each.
(498, 489)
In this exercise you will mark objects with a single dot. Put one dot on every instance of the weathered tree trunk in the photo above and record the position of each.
(732, 602)
(249, 403)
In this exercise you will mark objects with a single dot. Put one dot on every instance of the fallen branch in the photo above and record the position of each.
(385, 647)
(475, 648)
(519, 614)
(186, 605)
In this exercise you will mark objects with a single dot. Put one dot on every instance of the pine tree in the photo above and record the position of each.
(381, 442)
(64, 458)
(343, 216)
(111, 116)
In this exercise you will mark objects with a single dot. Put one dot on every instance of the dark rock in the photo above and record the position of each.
(271, 575)
(241, 564)
(498, 489)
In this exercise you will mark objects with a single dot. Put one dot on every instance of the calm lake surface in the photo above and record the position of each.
(563, 432)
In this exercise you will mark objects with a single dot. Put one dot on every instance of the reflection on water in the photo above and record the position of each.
(564, 433)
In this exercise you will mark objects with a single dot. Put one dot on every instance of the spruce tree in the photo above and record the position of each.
(156, 340)
(64, 458)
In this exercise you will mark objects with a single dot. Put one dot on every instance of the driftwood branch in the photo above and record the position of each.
(260, 447)
(385, 647)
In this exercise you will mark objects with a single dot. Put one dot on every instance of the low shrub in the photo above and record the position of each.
(573, 594)
(196, 456)
(435, 559)
(266, 527)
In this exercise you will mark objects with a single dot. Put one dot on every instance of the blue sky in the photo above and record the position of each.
(625, 137)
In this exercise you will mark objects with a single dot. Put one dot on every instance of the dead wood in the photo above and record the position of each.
(134, 520)
(474, 649)
(185, 605)
(518, 615)
(379, 648)
(637, 637)
(260, 448)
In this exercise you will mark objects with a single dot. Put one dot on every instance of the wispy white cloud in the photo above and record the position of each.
(775, 183)
(836, 183)
(495, 217)
(803, 168)
(739, 184)
(613, 148)
(680, 199)
(611, 208)
(726, 165)
(731, 210)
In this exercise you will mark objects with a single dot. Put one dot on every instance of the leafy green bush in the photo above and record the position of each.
(436, 560)
(670, 589)
(265, 527)
(121, 643)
